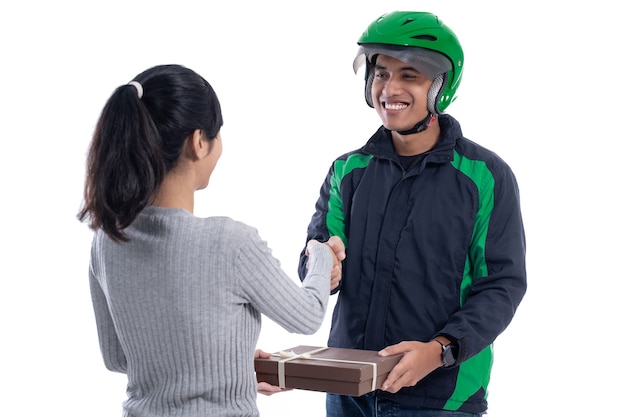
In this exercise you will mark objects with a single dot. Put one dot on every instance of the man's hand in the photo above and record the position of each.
(339, 250)
(263, 387)
(419, 360)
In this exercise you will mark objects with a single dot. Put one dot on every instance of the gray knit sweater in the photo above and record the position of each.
(178, 309)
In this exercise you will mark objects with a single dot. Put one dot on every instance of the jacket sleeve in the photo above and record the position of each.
(318, 227)
(498, 270)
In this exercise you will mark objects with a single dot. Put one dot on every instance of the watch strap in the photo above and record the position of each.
(446, 350)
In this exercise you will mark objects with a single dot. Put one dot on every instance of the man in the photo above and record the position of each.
(435, 246)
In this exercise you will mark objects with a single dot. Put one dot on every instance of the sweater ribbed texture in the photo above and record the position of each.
(178, 309)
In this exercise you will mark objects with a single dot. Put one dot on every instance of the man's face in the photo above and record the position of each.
(399, 93)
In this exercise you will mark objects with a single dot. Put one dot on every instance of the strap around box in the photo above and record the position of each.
(289, 356)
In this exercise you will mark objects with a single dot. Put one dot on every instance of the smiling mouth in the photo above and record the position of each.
(395, 106)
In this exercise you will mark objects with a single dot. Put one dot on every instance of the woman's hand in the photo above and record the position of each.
(338, 250)
(263, 387)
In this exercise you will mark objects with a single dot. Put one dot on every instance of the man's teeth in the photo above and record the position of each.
(396, 106)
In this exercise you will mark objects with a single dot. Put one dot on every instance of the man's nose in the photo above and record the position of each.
(392, 86)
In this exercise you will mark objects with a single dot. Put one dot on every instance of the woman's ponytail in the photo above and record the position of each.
(125, 165)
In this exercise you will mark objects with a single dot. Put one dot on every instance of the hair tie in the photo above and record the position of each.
(139, 88)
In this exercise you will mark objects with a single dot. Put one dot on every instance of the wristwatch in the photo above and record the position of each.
(448, 353)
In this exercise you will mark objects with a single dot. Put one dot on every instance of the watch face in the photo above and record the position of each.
(448, 356)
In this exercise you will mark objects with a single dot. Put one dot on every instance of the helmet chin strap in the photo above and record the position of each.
(420, 126)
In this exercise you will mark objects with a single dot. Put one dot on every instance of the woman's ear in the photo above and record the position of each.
(196, 146)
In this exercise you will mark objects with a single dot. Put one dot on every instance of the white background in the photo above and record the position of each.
(543, 87)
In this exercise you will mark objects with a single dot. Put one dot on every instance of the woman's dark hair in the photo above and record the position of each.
(139, 138)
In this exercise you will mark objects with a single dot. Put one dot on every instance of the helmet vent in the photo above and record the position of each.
(408, 21)
(425, 37)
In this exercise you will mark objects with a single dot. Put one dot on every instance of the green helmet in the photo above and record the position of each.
(421, 40)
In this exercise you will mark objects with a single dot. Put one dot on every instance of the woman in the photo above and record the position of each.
(178, 299)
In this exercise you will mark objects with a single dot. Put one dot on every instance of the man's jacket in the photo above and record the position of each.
(438, 249)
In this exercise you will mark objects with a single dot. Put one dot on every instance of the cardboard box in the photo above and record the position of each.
(332, 370)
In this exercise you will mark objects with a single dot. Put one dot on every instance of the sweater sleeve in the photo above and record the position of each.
(110, 347)
(296, 308)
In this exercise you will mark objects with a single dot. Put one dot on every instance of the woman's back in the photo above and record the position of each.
(185, 297)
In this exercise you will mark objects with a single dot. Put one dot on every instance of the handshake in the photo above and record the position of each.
(338, 249)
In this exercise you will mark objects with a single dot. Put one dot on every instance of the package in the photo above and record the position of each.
(334, 370)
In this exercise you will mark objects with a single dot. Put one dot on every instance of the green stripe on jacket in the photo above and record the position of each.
(335, 220)
(475, 372)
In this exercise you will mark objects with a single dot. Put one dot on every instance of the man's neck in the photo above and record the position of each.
(417, 143)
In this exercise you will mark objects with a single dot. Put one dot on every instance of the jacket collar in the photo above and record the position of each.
(381, 145)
